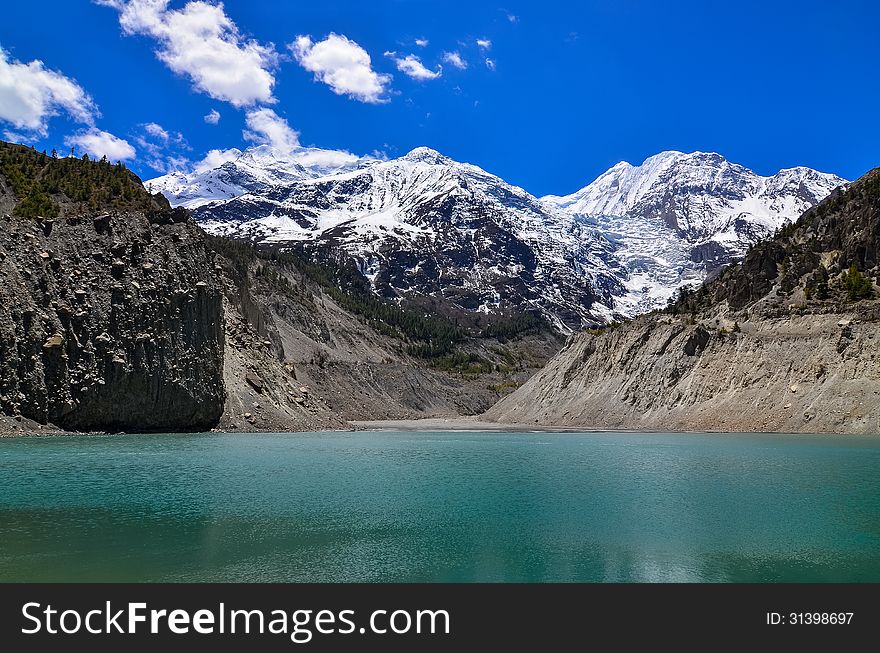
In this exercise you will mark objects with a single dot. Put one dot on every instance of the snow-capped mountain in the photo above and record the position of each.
(230, 173)
(679, 217)
(425, 226)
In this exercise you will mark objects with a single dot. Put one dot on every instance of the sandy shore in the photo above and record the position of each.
(10, 427)
(457, 424)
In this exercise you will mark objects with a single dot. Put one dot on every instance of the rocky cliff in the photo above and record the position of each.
(110, 313)
(785, 341)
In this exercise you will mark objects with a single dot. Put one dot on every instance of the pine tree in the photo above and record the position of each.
(821, 283)
(858, 286)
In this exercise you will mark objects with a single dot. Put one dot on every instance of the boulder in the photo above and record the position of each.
(254, 381)
(53, 341)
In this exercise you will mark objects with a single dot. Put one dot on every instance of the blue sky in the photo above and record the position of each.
(555, 93)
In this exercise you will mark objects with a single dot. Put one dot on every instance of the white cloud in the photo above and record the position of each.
(343, 65)
(265, 127)
(313, 157)
(512, 18)
(422, 43)
(454, 59)
(484, 43)
(18, 137)
(157, 131)
(490, 64)
(30, 94)
(201, 42)
(216, 158)
(413, 67)
(213, 117)
(176, 164)
(100, 143)
(163, 149)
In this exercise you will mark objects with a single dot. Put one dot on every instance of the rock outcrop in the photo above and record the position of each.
(110, 319)
(112, 322)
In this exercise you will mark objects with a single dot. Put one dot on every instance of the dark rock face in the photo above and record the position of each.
(845, 228)
(110, 322)
(755, 277)
(696, 342)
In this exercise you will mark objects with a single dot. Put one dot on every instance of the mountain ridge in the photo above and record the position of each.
(679, 217)
(622, 245)
(425, 226)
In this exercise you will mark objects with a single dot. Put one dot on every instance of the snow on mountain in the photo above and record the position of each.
(425, 226)
(679, 217)
(256, 170)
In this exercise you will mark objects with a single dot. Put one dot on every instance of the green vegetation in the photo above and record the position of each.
(511, 362)
(431, 336)
(37, 179)
(514, 327)
(821, 276)
(464, 362)
(858, 286)
(611, 326)
(426, 336)
(503, 386)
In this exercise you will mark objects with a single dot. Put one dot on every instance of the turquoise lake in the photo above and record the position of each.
(368, 506)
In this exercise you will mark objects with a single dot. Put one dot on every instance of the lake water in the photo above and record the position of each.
(440, 507)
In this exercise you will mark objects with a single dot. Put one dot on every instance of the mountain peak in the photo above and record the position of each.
(679, 216)
(666, 156)
(621, 245)
(624, 186)
(620, 166)
(424, 154)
